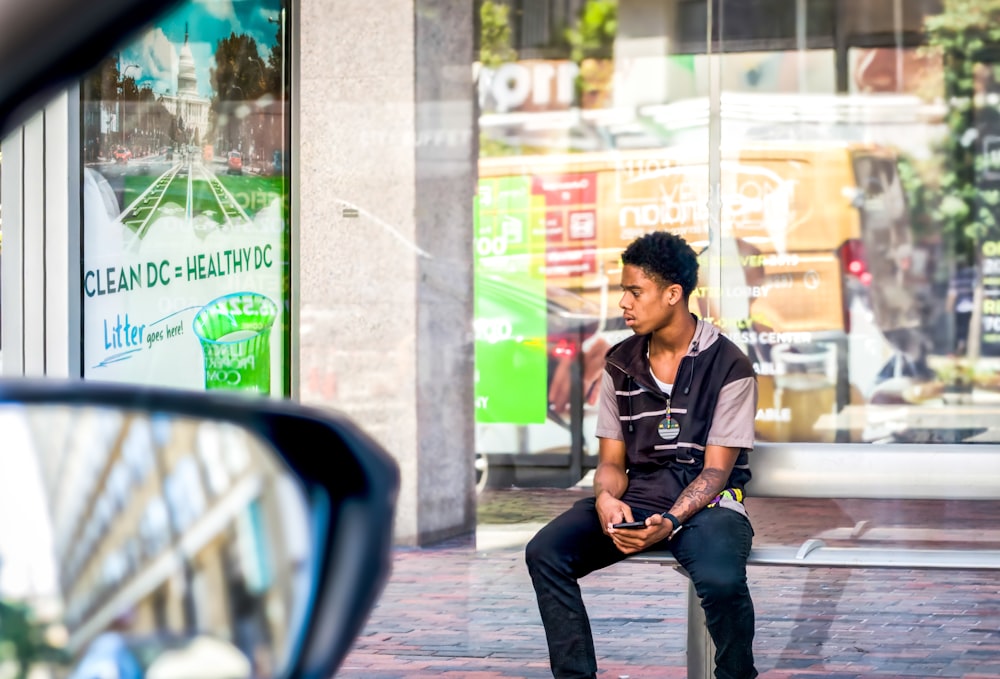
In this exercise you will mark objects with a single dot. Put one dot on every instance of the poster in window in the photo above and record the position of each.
(185, 232)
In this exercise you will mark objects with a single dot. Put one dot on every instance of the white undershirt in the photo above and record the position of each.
(664, 387)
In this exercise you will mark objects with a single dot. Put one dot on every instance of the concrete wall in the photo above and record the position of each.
(385, 120)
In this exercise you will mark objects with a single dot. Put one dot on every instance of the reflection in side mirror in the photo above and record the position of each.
(147, 545)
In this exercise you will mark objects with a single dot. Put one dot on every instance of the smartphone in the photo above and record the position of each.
(629, 524)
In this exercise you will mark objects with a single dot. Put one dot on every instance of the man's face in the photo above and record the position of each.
(646, 305)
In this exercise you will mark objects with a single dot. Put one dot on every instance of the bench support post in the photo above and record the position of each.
(700, 648)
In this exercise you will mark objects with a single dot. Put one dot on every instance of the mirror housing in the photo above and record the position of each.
(351, 486)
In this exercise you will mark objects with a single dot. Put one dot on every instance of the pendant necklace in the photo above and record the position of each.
(668, 429)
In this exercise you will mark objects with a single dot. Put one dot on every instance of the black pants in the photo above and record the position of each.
(713, 549)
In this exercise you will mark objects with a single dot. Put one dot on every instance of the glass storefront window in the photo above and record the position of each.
(881, 234)
(185, 203)
(843, 194)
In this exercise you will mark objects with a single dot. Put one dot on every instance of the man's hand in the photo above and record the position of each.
(633, 540)
(611, 510)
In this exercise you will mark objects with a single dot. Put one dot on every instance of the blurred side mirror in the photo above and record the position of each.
(149, 534)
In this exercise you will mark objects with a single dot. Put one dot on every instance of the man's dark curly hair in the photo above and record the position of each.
(666, 257)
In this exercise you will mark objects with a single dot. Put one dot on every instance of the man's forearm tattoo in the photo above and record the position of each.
(702, 490)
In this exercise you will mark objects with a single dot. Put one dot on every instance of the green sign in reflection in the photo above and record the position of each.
(510, 304)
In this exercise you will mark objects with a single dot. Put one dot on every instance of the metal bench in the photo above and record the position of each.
(788, 472)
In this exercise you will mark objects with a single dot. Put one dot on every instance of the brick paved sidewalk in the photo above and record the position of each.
(465, 608)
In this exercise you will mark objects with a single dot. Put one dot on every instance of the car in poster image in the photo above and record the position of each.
(234, 162)
(122, 155)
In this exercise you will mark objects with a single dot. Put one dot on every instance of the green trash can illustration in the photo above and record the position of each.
(235, 335)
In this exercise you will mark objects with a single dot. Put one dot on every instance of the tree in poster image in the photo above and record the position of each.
(275, 63)
(241, 76)
(237, 75)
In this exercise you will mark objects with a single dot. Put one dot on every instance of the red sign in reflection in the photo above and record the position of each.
(555, 228)
(571, 205)
(570, 222)
(570, 261)
(566, 189)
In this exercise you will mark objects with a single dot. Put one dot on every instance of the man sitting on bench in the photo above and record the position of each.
(676, 423)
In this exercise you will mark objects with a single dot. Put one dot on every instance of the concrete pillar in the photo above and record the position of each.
(386, 171)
